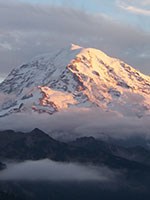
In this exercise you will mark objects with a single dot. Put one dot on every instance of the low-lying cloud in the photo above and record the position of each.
(74, 123)
(47, 170)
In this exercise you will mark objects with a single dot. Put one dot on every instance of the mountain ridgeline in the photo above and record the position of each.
(131, 165)
(36, 145)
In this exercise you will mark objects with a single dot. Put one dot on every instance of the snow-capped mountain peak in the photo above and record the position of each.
(76, 76)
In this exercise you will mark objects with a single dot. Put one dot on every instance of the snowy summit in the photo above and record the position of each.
(78, 77)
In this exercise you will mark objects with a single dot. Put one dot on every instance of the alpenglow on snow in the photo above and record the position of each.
(75, 77)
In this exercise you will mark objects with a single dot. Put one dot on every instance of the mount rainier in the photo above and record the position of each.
(75, 77)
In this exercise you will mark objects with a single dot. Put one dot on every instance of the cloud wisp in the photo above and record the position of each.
(136, 7)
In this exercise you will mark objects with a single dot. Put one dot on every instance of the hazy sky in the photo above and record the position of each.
(121, 28)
